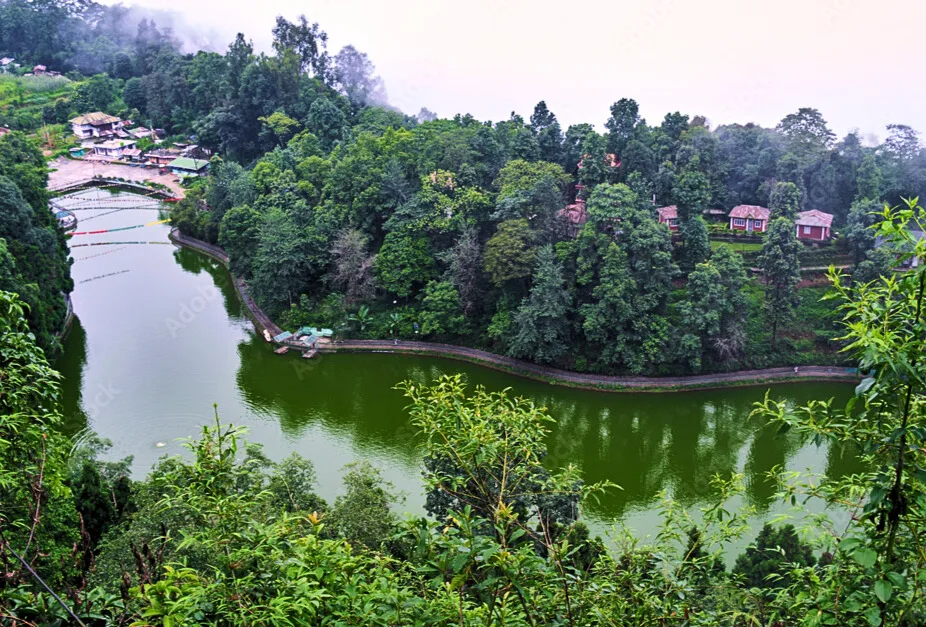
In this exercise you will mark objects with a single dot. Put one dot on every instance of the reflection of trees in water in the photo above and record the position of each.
(338, 391)
(644, 443)
(677, 443)
(196, 263)
(71, 364)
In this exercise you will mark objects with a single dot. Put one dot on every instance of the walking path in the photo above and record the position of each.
(66, 172)
(530, 370)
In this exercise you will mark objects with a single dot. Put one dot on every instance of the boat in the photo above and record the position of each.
(267, 335)
(282, 350)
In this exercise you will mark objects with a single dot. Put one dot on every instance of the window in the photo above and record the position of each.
(739, 222)
(757, 224)
(806, 230)
(673, 221)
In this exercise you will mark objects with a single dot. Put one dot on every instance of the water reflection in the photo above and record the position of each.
(169, 349)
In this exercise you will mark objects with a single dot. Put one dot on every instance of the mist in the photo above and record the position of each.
(729, 61)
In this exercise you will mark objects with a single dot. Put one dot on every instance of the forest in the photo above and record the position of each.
(340, 210)
(225, 536)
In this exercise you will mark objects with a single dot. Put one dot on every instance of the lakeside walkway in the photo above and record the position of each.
(530, 370)
(67, 172)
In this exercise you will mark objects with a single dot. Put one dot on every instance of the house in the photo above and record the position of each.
(132, 154)
(814, 225)
(140, 132)
(113, 148)
(39, 70)
(97, 124)
(162, 157)
(184, 166)
(610, 161)
(575, 214)
(669, 217)
(4, 131)
(749, 218)
(6, 64)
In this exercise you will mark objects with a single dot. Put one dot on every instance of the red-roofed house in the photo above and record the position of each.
(39, 70)
(749, 218)
(669, 216)
(814, 225)
(610, 160)
(575, 214)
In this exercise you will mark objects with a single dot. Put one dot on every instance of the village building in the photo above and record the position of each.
(669, 216)
(96, 124)
(184, 166)
(132, 154)
(576, 214)
(39, 70)
(814, 225)
(749, 218)
(140, 132)
(4, 131)
(162, 157)
(113, 148)
(6, 64)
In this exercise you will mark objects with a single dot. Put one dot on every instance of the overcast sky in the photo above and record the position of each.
(860, 62)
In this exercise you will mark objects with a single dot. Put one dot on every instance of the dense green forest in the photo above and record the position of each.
(33, 252)
(338, 209)
(343, 212)
(225, 536)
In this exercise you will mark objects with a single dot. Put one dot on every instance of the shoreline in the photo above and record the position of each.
(528, 370)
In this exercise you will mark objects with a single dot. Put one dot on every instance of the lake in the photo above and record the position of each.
(159, 338)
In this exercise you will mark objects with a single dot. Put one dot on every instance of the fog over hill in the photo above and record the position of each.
(729, 61)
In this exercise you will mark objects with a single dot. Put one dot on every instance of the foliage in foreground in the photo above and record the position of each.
(223, 536)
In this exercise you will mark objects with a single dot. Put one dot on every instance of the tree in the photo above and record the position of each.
(780, 265)
(692, 196)
(326, 121)
(464, 269)
(902, 142)
(280, 126)
(37, 515)
(307, 41)
(607, 319)
(714, 312)
(356, 77)
(440, 310)
(785, 201)
(353, 266)
(280, 265)
(133, 94)
(863, 215)
(404, 263)
(807, 133)
(769, 562)
(239, 235)
(484, 455)
(540, 327)
(510, 253)
(363, 514)
(625, 115)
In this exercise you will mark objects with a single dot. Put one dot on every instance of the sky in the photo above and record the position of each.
(858, 61)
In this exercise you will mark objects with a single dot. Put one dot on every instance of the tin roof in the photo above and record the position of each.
(754, 212)
(668, 213)
(95, 119)
(814, 218)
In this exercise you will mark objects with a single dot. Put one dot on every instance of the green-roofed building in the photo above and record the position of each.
(184, 166)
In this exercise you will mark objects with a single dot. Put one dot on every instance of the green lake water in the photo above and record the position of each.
(159, 337)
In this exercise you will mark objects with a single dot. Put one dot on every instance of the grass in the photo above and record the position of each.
(740, 247)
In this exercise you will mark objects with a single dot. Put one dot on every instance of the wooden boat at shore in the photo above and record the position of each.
(282, 350)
